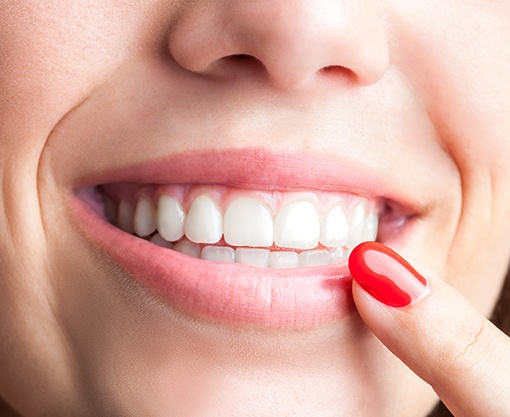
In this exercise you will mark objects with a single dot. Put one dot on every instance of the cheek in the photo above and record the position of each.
(453, 54)
(54, 56)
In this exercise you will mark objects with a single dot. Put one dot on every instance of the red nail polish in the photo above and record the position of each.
(386, 275)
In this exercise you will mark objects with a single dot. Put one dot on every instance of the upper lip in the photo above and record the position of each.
(259, 169)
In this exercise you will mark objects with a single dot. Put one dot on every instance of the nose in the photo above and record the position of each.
(294, 40)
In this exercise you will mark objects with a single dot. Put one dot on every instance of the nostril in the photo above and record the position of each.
(238, 64)
(240, 57)
(338, 72)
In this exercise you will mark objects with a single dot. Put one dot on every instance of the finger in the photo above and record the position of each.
(434, 331)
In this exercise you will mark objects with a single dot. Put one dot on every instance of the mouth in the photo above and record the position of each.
(217, 242)
(224, 224)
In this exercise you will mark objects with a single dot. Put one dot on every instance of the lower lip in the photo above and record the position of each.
(298, 298)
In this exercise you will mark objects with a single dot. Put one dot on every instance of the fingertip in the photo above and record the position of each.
(386, 276)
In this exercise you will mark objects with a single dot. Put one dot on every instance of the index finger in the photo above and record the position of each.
(434, 331)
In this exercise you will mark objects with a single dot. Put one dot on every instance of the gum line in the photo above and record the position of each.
(223, 196)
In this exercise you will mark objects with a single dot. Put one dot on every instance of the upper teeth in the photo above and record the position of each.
(170, 218)
(250, 228)
(258, 231)
(204, 223)
(297, 226)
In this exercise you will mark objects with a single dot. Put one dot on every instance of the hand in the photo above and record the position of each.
(434, 331)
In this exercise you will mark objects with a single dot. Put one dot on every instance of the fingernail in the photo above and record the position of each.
(385, 275)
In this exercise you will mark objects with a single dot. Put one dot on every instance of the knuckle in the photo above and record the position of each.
(470, 353)
(474, 346)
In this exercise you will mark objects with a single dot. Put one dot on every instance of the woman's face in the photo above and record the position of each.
(266, 116)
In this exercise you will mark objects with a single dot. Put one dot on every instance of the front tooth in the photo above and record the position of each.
(144, 222)
(254, 257)
(284, 260)
(297, 226)
(218, 254)
(188, 248)
(334, 228)
(247, 223)
(204, 223)
(371, 225)
(356, 220)
(315, 257)
(125, 216)
(170, 218)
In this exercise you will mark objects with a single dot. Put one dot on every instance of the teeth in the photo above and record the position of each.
(249, 229)
(218, 254)
(254, 257)
(188, 248)
(356, 223)
(248, 223)
(284, 260)
(315, 257)
(144, 222)
(204, 223)
(334, 228)
(110, 210)
(371, 225)
(170, 218)
(297, 226)
(125, 216)
(158, 240)
(338, 255)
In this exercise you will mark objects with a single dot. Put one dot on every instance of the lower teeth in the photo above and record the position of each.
(255, 256)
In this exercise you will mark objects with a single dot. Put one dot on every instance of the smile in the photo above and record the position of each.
(224, 224)
(269, 252)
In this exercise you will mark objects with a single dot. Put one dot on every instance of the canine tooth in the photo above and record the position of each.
(334, 228)
(297, 226)
(125, 216)
(170, 218)
(315, 257)
(254, 257)
(144, 222)
(371, 225)
(218, 254)
(204, 223)
(188, 248)
(247, 223)
(284, 260)
(356, 221)
(158, 240)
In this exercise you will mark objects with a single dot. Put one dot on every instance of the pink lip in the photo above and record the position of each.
(259, 169)
(232, 293)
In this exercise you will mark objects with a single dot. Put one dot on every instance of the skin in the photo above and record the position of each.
(414, 88)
